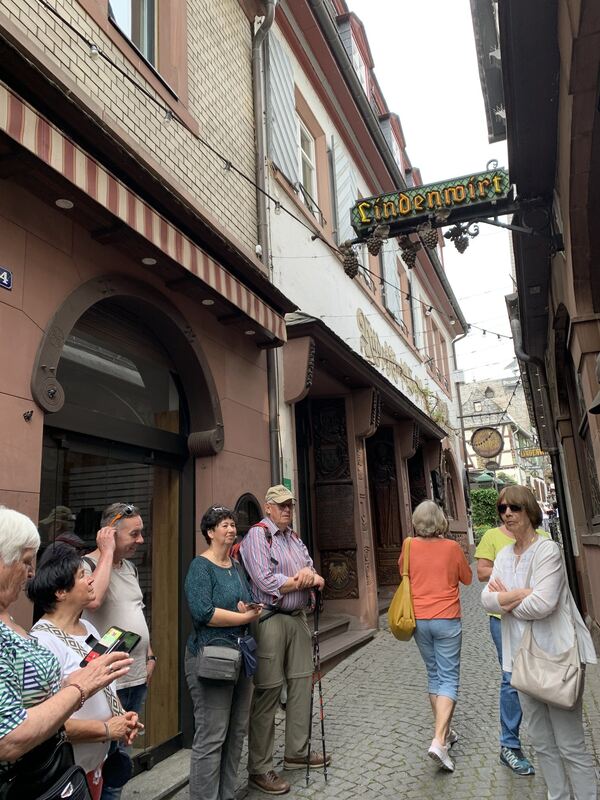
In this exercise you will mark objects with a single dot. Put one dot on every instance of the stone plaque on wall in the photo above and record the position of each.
(335, 515)
(340, 573)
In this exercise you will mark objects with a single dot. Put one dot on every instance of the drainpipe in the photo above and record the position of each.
(260, 81)
(552, 448)
(465, 470)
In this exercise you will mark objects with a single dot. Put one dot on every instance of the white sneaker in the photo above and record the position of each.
(452, 738)
(440, 755)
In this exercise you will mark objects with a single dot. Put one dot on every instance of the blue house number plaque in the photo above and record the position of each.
(5, 278)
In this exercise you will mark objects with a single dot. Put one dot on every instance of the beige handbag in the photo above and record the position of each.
(553, 679)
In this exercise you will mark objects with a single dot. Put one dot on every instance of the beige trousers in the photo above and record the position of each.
(284, 652)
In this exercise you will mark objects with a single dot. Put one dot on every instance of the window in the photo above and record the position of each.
(359, 65)
(136, 19)
(307, 168)
(365, 265)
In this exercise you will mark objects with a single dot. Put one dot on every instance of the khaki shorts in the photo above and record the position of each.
(284, 649)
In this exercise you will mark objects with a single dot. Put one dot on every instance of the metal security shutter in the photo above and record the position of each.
(391, 287)
(346, 191)
(282, 121)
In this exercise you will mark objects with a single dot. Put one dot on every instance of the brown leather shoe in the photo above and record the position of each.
(315, 762)
(269, 783)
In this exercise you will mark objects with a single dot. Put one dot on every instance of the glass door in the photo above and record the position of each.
(80, 477)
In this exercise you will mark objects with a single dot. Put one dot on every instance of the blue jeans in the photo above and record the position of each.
(439, 642)
(510, 708)
(132, 699)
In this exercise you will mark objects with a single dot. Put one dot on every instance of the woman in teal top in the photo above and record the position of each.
(219, 601)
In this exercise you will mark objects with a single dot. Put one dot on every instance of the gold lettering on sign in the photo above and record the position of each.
(489, 186)
(363, 209)
(383, 357)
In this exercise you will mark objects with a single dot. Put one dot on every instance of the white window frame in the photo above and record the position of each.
(122, 18)
(308, 159)
(359, 65)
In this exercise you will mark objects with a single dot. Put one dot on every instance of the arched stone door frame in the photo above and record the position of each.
(206, 435)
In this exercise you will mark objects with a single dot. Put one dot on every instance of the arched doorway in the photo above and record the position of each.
(126, 376)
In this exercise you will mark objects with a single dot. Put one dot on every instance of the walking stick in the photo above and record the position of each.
(316, 676)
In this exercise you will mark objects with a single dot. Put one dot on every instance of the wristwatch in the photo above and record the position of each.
(150, 658)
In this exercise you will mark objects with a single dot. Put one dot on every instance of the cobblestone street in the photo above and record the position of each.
(378, 726)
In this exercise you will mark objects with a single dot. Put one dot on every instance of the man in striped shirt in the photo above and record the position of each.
(282, 577)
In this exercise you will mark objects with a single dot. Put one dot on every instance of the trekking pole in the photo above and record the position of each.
(310, 720)
(317, 667)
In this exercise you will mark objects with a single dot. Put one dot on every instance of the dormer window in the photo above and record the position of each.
(359, 66)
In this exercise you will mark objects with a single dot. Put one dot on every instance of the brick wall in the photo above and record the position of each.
(219, 98)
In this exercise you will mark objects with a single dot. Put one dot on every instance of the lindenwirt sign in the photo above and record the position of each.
(403, 210)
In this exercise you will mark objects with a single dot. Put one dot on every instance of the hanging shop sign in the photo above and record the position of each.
(6, 279)
(487, 442)
(453, 199)
(532, 452)
(383, 357)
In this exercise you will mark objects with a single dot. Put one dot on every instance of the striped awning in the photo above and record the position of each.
(39, 136)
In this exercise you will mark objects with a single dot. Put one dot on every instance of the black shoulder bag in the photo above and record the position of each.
(47, 772)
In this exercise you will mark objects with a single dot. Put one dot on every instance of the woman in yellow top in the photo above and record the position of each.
(516, 504)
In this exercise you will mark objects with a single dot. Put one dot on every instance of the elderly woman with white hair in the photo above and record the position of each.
(436, 566)
(34, 705)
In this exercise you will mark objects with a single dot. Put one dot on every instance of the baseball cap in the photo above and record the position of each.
(278, 494)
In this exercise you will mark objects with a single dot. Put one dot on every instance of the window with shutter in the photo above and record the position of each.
(346, 192)
(391, 286)
(283, 121)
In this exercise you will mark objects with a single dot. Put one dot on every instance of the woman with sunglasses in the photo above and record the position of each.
(556, 734)
(517, 502)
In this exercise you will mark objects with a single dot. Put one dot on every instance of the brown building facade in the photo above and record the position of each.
(549, 66)
(135, 315)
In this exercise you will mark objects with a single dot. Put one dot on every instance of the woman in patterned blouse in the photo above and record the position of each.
(33, 703)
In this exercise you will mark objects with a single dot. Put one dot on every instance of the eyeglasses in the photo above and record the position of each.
(513, 507)
(288, 504)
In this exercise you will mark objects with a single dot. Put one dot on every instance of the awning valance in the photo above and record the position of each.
(40, 137)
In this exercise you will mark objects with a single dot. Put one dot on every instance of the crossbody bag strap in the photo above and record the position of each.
(111, 698)
(406, 557)
(565, 587)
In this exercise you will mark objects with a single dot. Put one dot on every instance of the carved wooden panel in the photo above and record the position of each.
(334, 490)
(331, 440)
(335, 515)
(340, 573)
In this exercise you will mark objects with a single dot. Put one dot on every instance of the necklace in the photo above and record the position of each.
(223, 565)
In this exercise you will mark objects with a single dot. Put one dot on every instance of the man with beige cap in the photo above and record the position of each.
(282, 576)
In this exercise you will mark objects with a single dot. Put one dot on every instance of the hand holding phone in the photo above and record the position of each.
(114, 640)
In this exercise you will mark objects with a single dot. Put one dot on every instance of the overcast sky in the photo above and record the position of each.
(425, 62)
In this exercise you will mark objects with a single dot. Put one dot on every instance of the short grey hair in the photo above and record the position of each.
(17, 534)
(429, 520)
(111, 511)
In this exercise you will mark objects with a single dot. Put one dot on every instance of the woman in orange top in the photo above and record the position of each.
(436, 566)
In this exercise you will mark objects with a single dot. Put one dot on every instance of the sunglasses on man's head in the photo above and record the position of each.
(513, 507)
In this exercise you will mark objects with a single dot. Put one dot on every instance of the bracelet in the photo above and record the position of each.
(150, 658)
(106, 733)
(82, 694)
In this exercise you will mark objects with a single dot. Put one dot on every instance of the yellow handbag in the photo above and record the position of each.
(401, 615)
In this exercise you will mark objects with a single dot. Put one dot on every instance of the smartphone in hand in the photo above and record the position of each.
(115, 639)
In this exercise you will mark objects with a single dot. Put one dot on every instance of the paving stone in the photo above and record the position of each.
(378, 726)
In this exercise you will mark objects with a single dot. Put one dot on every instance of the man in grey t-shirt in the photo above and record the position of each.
(119, 601)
